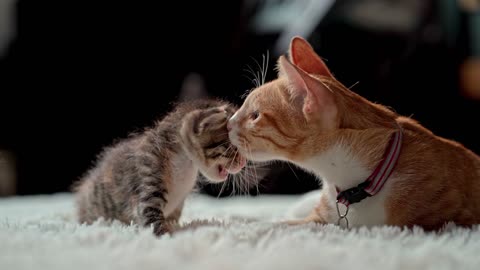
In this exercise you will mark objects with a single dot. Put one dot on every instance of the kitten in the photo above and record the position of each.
(146, 177)
(385, 168)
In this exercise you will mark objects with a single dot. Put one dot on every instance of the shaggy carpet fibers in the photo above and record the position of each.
(40, 232)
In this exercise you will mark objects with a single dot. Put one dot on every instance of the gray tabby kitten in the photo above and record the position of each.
(146, 177)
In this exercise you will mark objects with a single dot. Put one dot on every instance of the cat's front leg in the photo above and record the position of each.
(312, 218)
(321, 213)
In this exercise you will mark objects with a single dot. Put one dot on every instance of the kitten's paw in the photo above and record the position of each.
(162, 229)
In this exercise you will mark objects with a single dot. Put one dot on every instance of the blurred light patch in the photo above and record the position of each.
(289, 19)
(7, 23)
(7, 174)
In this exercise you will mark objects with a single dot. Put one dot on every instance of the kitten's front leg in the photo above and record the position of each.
(151, 215)
(175, 215)
(152, 202)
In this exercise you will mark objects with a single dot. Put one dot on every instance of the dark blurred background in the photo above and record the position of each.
(76, 76)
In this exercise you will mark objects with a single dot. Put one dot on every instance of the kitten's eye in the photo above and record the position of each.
(254, 115)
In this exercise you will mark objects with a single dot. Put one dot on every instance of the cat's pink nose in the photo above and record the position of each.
(231, 121)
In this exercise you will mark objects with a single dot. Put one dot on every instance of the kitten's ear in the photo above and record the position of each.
(316, 99)
(209, 120)
(303, 56)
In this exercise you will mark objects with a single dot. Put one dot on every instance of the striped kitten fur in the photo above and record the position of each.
(146, 177)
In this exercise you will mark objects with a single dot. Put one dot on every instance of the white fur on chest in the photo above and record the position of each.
(184, 177)
(340, 167)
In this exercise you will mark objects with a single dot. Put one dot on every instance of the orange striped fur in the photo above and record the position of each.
(309, 118)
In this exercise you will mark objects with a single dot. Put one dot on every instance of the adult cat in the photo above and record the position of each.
(387, 169)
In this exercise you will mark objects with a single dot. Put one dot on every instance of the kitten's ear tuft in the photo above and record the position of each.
(303, 56)
(317, 99)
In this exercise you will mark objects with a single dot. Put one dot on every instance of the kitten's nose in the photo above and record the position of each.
(229, 125)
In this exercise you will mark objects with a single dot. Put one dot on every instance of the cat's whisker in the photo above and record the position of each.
(239, 183)
(256, 79)
(260, 69)
(249, 179)
(353, 85)
(221, 189)
(293, 171)
(250, 71)
(254, 168)
(265, 61)
(251, 80)
(245, 94)
(231, 162)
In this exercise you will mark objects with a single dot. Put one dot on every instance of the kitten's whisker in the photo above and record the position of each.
(214, 164)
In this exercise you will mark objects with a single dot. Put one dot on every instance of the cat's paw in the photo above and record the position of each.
(312, 218)
(304, 206)
(296, 222)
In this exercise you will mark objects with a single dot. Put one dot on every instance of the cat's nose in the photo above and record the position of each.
(231, 121)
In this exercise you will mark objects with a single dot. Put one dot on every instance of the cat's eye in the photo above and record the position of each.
(254, 115)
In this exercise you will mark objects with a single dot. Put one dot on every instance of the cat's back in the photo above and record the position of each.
(427, 142)
(436, 179)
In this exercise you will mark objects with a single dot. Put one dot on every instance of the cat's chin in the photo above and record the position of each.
(241, 164)
(260, 156)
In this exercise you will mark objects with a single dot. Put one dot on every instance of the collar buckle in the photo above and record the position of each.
(355, 194)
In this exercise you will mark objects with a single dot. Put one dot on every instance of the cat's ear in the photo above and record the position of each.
(303, 56)
(316, 99)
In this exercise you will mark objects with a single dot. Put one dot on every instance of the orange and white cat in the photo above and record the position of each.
(309, 118)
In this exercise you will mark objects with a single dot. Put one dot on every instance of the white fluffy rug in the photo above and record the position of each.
(39, 232)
